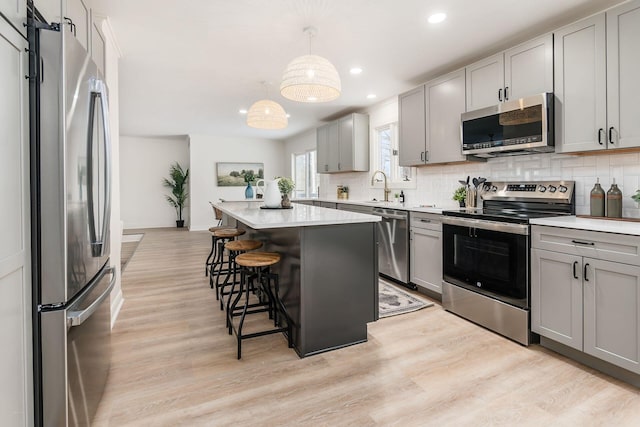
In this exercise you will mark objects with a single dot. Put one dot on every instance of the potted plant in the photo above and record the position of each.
(177, 183)
(636, 197)
(460, 195)
(249, 177)
(286, 186)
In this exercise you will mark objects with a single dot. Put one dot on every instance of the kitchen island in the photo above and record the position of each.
(328, 272)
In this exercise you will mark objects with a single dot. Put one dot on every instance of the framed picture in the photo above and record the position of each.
(233, 174)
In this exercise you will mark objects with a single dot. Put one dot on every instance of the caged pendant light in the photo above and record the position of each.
(267, 114)
(310, 78)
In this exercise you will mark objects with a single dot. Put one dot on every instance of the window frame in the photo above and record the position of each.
(393, 181)
(310, 193)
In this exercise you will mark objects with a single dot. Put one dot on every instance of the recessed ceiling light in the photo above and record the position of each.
(372, 96)
(355, 71)
(242, 111)
(436, 18)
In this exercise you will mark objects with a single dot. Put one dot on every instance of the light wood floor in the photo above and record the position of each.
(174, 364)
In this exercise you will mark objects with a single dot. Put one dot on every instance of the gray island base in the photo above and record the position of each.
(328, 272)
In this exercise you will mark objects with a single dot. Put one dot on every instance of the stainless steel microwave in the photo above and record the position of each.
(520, 126)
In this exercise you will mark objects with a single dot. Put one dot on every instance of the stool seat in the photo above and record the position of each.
(258, 259)
(227, 233)
(221, 227)
(242, 245)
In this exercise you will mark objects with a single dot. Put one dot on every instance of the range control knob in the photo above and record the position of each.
(494, 188)
(486, 187)
(542, 188)
(552, 189)
(563, 189)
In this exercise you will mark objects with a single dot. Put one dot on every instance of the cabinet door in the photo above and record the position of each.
(322, 147)
(345, 147)
(445, 102)
(50, 9)
(412, 126)
(426, 258)
(623, 62)
(16, 12)
(580, 86)
(612, 312)
(79, 12)
(556, 296)
(485, 82)
(333, 139)
(15, 282)
(528, 68)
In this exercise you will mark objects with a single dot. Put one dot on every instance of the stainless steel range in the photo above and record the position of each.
(486, 253)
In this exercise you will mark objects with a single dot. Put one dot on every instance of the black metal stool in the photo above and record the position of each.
(220, 238)
(212, 253)
(256, 265)
(235, 248)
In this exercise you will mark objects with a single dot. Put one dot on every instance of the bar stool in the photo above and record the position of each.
(256, 265)
(235, 248)
(220, 238)
(212, 253)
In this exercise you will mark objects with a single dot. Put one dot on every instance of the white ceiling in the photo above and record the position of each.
(189, 66)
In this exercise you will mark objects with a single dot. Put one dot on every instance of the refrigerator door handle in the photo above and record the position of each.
(98, 244)
(77, 318)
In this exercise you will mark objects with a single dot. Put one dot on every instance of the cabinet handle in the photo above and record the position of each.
(424, 220)
(600, 135)
(422, 156)
(578, 242)
(426, 156)
(506, 93)
(338, 165)
(575, 264)
(611, 135)
(500, 94)
(585, 272)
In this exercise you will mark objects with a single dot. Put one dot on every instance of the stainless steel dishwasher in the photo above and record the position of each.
(393, 245)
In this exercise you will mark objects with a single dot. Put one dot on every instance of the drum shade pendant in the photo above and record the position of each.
(267, 114)
(310, 78)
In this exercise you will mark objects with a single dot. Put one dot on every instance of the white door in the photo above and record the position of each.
(15, 251)
(528, 68)
(445, 103)
(485, 82)
(623, 74)
(412, 136)
(581, 86)
(612, 312)
(426, 258)
(556, 296)
(16, 12)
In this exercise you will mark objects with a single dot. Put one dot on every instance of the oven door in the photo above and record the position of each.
(487, 257)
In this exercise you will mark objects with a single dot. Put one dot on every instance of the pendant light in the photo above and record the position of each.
(310, 78)
(267, 114)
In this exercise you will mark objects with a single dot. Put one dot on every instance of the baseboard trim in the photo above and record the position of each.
(117, 302)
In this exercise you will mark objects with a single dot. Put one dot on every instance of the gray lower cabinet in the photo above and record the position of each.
(425, 248)
(587, 295)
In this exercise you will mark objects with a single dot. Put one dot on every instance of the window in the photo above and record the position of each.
(386, 156)
(305, 176)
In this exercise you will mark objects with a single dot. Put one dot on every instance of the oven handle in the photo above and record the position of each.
(505, 227)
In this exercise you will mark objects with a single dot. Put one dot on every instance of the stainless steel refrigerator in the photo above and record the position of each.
(71, 169)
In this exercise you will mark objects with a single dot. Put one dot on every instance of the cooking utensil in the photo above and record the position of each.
(467, 184)
(475, 182)
(462, 182)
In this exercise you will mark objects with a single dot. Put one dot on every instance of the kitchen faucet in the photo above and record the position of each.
(386, 189)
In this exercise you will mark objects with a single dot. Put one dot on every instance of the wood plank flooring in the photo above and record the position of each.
(174, 364)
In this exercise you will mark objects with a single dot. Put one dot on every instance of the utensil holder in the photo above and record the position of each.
(472, 197)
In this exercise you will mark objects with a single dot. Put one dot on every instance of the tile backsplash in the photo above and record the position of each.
(436, 184)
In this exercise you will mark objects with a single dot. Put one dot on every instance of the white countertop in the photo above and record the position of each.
(249, 213)
(591, 224)
(389, 205)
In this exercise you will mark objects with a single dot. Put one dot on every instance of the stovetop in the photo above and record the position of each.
(519, 202)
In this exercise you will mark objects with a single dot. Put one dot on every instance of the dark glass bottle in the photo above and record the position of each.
(597, 200)
(401, 197)
(614, 201)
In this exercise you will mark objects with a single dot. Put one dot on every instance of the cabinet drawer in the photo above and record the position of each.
(426, 220)
(605, 246)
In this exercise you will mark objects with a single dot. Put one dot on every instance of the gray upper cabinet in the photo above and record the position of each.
(412, 118)
(524, 70)
(597, 69)
(16, 12)
(585, 292)
(343, 145)
(429, 119)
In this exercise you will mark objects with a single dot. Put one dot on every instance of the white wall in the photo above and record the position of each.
(206, 151)
(144, 161)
